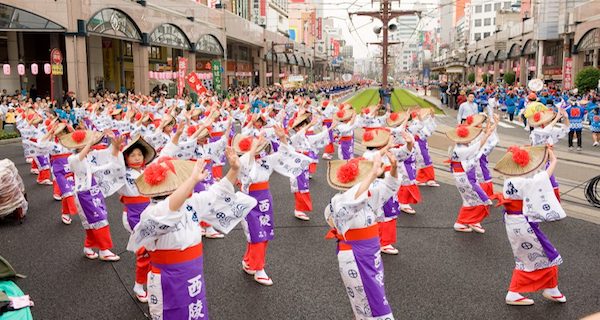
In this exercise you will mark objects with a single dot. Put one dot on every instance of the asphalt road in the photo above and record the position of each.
(439, 274)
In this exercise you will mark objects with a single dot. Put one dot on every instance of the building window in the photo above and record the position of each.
(488, 7)
(478, 22)
(477, 36)
(155, 53)
(478, 9)
(506, 5)
(494, 21)
(487, 21)
(486, 34)
(128, 52)
(497, 6)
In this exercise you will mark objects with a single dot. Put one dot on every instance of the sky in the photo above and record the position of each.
(338, 10)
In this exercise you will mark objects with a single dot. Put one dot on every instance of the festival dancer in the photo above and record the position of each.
(327, 111)
(379, 142)
(484, 176)
(547, 131)
(308, 145)
(88, 166)
(528, 199)
(345, 131)
(257, 167)
(353, 217)
(169, 230)
(463, 162)
(137, 155)
(423, 126)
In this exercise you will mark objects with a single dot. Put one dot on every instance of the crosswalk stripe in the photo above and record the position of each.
(505, 125)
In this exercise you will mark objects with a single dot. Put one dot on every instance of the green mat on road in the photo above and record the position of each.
(402, 100)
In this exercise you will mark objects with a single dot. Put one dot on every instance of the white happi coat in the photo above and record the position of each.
(536, 191)
(548, 135)
(468, 156)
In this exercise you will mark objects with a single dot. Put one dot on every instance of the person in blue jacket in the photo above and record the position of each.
(576, 112)
(511, 101)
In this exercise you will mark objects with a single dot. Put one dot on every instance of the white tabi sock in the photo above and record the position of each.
(138, 288)
(553, 291)
(105, 253)
(88, 250)
(513, 296)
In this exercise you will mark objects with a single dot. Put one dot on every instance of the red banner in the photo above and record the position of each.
(182, 62)
(336, 48)
(320, 28)
(568, 74)
(263, 8)
(195, 83)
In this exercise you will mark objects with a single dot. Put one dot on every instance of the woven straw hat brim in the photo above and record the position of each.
(300, 119)
(116, 112)
(364, 167)
(478, 120)
(394, 123)
(37, 120)
(183, 170)
(546, 117)
(236, 141)
(538, 156)
(139, 142)
(203, 133)
(348, 113)
(197, 112)
(90, 135)
(59, 128)
(473, 133)
(380, 139)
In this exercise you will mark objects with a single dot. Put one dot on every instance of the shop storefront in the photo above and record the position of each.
(589, 47)
(26, 40)
(528, 53)
(208, 49)
(167, 43)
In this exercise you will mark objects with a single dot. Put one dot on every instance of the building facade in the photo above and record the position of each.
(123, 45)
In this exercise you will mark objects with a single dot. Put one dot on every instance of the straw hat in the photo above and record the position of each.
(396, 118)
(169, 119)
(343, 114)
(476, 120)
(299, 119)
(541, 118)
(376, 138)
(520, 161)
(343, 175)
(463, 134)
(60, 127)
(116, 112)
(202, 134)
(242, 144)
(196, 112)
(80, 138)
(163, 177)
(147, 149)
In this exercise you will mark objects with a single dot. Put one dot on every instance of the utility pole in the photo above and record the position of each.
(386, 14)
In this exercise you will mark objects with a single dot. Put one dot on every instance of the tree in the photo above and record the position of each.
(471, 77)
(485, 78)
(587, 79)
(510, 77)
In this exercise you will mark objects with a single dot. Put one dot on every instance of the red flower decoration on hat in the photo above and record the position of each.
(348, 172)
(394, 116)
(537, 116)
(325, 103)
(414, 114)
(78, 136)
(157, 172)
(138, 116)
(245, 144)
(191, 130)
(30, 116)
(519, 156)
(47, 122)
(367, 110)
(470, 120)
(462, 131)
(340, 114)
(368, 136)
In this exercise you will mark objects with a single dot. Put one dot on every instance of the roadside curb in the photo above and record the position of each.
(9, 141)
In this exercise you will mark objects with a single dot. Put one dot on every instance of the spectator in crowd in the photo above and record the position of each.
(576, 112)
(467, 109)
(594, 116)
(452, 94)
(511, 105)
(443, 92)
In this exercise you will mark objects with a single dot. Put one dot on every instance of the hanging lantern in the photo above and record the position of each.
(34, 69)
(207, 66)
(6, 69)
(150, 74)
(175, 74)
(21, 69)
(47, 68)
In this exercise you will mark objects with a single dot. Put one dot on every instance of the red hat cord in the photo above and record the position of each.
(47, 122)
(519, 156)
(368, 136)
(245, 144)
(191, 130)
(470, 120)
(348, 172)
(367, 110)
(414, 114)
(157, 172)
(30, 116)
(462, 131)
(78, 136)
